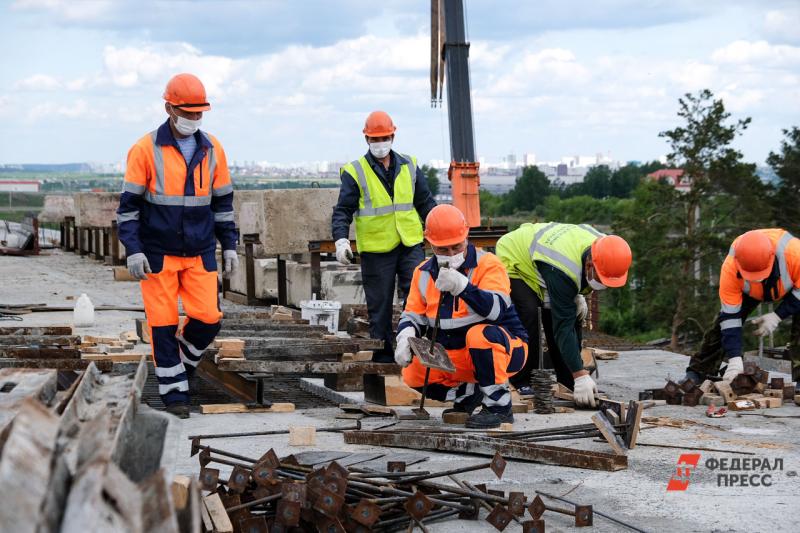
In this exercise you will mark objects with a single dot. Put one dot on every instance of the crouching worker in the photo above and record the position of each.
(479, 327)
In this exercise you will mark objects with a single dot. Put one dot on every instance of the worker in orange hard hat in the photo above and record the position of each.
(479, 326)
(388, 195)
(763, 265)
(552, 267)
(176, 202)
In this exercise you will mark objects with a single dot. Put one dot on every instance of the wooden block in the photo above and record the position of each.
(706, 386)
(751, 396)
(131, 357)
(302, 435)
(93, 350)
(559, 409)
(222, 408)
(586, 357)
(180, 491)
(219, 517)
(363, 355)
(455, 418)
(347, 357)
(762, 403)
(725, 391)
(604, 355)
(230, 353)
(99, 340)
(208, 525)
(712, 399)
(741, 405)
(607, 430)
(523, 407)
(774, 402)
(760, 388)
(773, 393)
(121, 274)
(229, 344)
(129, 336)
(797, 399)
(505, 426)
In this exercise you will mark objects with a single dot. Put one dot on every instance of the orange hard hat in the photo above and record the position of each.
(186, 92)
(379, 124)
(753, 255)
(611, 257)
(446, 226)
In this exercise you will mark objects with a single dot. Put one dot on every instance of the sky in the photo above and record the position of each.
(293, 81)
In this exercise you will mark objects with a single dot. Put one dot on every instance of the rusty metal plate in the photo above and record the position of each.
(329, 525)
(499, 493)
(536, 508)
(293, 491)
(328, 503)
(204, 458)
(336, 470)
(418, 505)
(264, 475)
(761, 376)
(366, 513)
(516, 503)
(583, 515)
(351, 526)
(287, 513)
(750, 368)
(209, 478)
(692, 398)
(474, 511)
(499, 517)
(671, 388)
(335, 484)
(195, 447)
(533, 526)
(270, 459)
(688, 385)
(776, 383)
(396, 466)
(254, 524)
(261, 492)
(481, 487)
(239, 478)
(498, 465)
(437, 358)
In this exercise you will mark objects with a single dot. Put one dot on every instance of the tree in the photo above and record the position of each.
(680, 238)
(786, 199)
(530, 190)
(597, 182)
(432, 177)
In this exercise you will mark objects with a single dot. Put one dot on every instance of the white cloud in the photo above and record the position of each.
(783, 24)
(68, 10)
(761, 53)
(38, 82)
(78, 109)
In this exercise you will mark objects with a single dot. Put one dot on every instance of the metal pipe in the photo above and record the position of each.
(433, 475)
(595, 511)
(254, 502)
(483, 503)
(275, 432)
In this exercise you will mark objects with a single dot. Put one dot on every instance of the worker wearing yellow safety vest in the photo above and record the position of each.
(552, 266)
(388, 195)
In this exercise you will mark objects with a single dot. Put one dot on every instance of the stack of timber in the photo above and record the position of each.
(87, 457)
(358, 320)
(53, 347)
(751, 389)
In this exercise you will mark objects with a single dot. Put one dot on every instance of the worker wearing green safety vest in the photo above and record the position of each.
(552, 266)
(387, 195)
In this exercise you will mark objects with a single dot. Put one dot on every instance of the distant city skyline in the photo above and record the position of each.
(294, 81)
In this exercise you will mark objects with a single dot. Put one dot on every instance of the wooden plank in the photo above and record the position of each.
(232, 383)
(131, 357)
(39, 352)
(35, 330)
(22, 384)
(607, 430)
(121, 273)
(55, 364)
(40, 340)
(222, 408)
(216, 511)
(26, 464)
(158, 513)
(634, 420)
(307, 367)
(180, 491)
(322, 351)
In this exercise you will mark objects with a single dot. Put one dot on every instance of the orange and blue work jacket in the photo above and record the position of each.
(783, 285)
(486, 300)
(169, 207)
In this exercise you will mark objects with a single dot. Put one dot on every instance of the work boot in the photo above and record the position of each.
(525, 391)
(468, 398)
(181, 410)
(488, 419)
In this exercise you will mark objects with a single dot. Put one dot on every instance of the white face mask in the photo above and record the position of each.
(381, 149)
(186, 126)
(452, 261)
(596, 285)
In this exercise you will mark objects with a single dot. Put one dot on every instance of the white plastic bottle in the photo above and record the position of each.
(83, 315)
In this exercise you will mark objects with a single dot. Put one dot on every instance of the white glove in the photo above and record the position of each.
(735, 367)
(402, 352)
(583, 309)
(231, 263)
(767, 324)
(138, 265)
(584, 391)
(452, 281)
(343, 252)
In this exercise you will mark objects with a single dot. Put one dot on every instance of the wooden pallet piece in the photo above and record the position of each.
(607, 430)
(221, 523)
(231, 382)
(223, 408)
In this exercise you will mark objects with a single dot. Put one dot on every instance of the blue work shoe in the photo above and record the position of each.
(527, 390)
(487, 419)
(468, 404)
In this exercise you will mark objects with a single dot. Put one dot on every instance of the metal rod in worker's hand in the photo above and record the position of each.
(595, 511)
(275, 432)
(424, 389)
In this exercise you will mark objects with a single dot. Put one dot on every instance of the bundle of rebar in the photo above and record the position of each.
(542, 385)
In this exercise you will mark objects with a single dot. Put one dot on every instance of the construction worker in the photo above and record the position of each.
(479, 327)
(763, 265)
(552, 267)
(387, 194)
(177, 200)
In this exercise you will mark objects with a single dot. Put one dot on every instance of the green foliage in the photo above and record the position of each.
(432, 177)
(786, 164)
(581, 209)
(530, 191)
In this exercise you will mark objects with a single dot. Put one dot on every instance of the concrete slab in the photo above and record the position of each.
(96, 208)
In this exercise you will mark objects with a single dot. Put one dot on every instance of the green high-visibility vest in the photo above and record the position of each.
(382, 222)
(559, 245)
